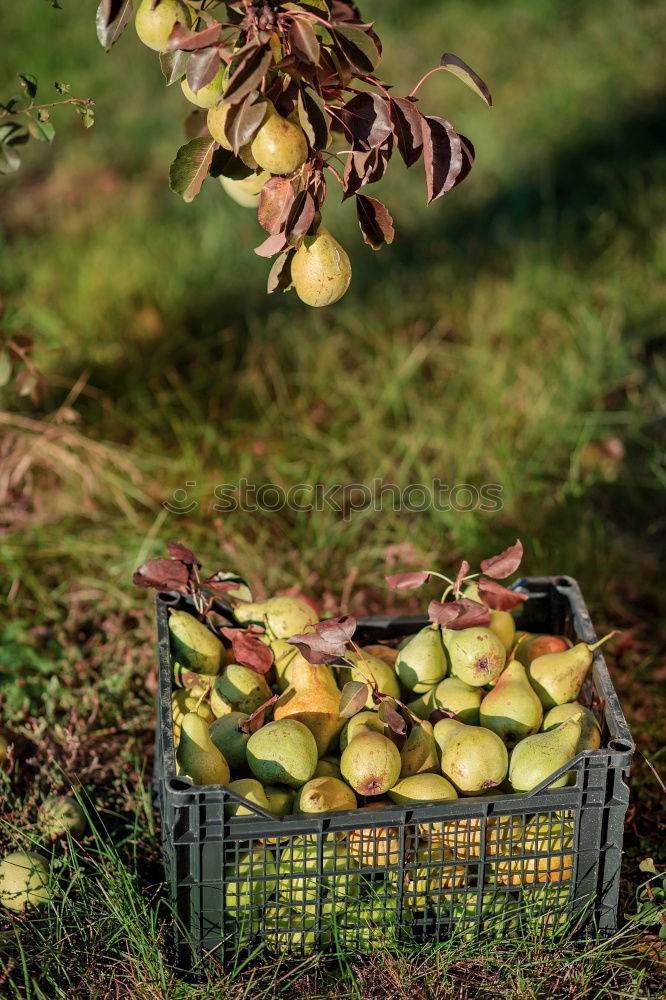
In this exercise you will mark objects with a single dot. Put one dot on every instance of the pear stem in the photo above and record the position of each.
(600, 642)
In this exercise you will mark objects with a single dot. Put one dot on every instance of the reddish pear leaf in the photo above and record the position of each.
(442, 155)
(303, 41)
(202, 67)
(366, 120)
(219, 586)
(188, 171)
(468, 154)
(242, 121)
(248, 650)
(357, 171)
(375, 222)
(248, 75)
(354, 697)
(110, 9)
(274, 244)
(173, 66)
(276, 198)
(391, 718)
(327, 641)
(459, 614)
(406, 122)
(453, 64)
(499, 598)
(407, 581)
(255, 721)
(178, 551)
(314, 118)
(279, 275)
(301, 216)
(112, 18)
(358, 47)
(460, 576)
(506, 563)
(163, 574)
(188, 41)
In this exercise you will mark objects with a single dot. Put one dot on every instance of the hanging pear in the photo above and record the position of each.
(473, 759)
(320, 269)
(512, 709)
(422, 661)
(538, 756)
(208, 95)
(154, 23)
(247, 191)
(282, 616)
(279, 145)
(453, 695)
(314, 701)
(371, 667)
(477, 655)
(198, 756)
(558, 677)
(590, 734)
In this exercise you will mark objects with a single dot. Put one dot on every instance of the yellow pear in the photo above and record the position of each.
(328, 767)
(206, 97)
(284, 752)
(422, 662)
(155, 26)
(186, 700)
(253, 791)
(245, 192)
(280, 799)
(216, 120)
(422, 788)
(238, 689)
(279, 145)
(419, 751)
(473, 759)
(477, 656)
(375, 846)
(358, 722)
(370, 763)
(282, 616)
(374, 669)
(501, 623)
(590, 733)
(325, 794)
(320, 269)
(24, 880)
(453, 695)
(558, 677)
(194, 645)
(512, 709)
(314, 701)
(537, 757)
(230, 740)
(198, 756)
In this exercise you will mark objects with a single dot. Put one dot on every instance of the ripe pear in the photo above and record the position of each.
(463, 836)
(24, 880)
(453, 695)
(195, 645)
(230, 740)
(238, 689)
(320, 269)
(502, 623)
(198, 756)
(299, 867)
(206, 97)
(422, 788)
(386, 653)
(282, 616)
(538, 645)
(216, 120)
(437, 873)
(288, 930)
(324, 795)
(249, 881)
(362, 721)
(280, 799)
(328, 767)
(375, 846)
(473, 759)
(188, 700)
(590, 734)
(558, 677)
(61, 814)
(245, 192)
(314, 701)
(422, 706)
(370, 763)
(419, 751)
(284, 751)
(250, 789)
(375, 669)
(183, 677)
(512, 709)
(279, 146)
(477, 656)
(538, 756)
(155, 26)
(422, 662)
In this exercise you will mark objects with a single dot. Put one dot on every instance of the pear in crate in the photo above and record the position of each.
(535, 758)
(502, 623)
(231, 741)
(249, 882)
(558, 677)
(324, 795)
(299, 871)
(24, 881)
(253, 791)
(194, 645)
(422, 706)
(238, 689)
(198, 756)
(590, 733)
(328, 767)
(538, 645)
(371, 668)
(512, 709)
(419, 751)
(422, 662)
(188, 700)
(282, 616)
(365, 720)
(474, 759)
(464, 836)
(464, 700)
(375, 846)
(280, 799)
(283, 752)
(313, 700)
(477, 656)
(431, 882)
(422, 788)
(386, 653)
(289, 931)
(370, 763)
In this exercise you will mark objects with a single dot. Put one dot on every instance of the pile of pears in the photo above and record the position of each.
(482, 721)
(320, 269)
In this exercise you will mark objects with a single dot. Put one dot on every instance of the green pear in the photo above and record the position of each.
(361, 721)
(155, 26)
(230, 740)
(473, 759)
(453, 695)
(279, 146)
(422, 706)
(282, 616)
(419, 751)
(299, 869)
(198, 756)
(477, 656)
(375, 846)
(280, 799)
(188, 700)
(422, 661)
(437, 874)
(194, 645)
(320, 269)
(590, 735)
(558, 677)
(207, 96)
(61, 814)
(370, 763)
(183, 677)
(284, 751)
(216, 120)
(250, 789)
(324, 795)
(502, 623)
(328, 767)
(422, 788)
(238, 689)
(314, 701)
(372, 668)
(24, 880)
(289, 931)
(538, 756)
(512, 709)
(247, 190)
(249, 881)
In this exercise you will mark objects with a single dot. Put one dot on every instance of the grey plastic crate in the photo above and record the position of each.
(415, 872)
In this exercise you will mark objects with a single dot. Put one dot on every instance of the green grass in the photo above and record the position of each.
(510, 328)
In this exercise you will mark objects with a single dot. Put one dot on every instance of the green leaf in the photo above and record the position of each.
(29, 84)
(42, 130)
(87, 112)
(188, 171)
(5, 367)
(174, 65)
(62, 88)
(465, 73)
(647, 865)
(10, 161)
(354, 695)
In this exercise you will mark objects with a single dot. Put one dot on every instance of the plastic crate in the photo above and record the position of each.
(473, 866)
